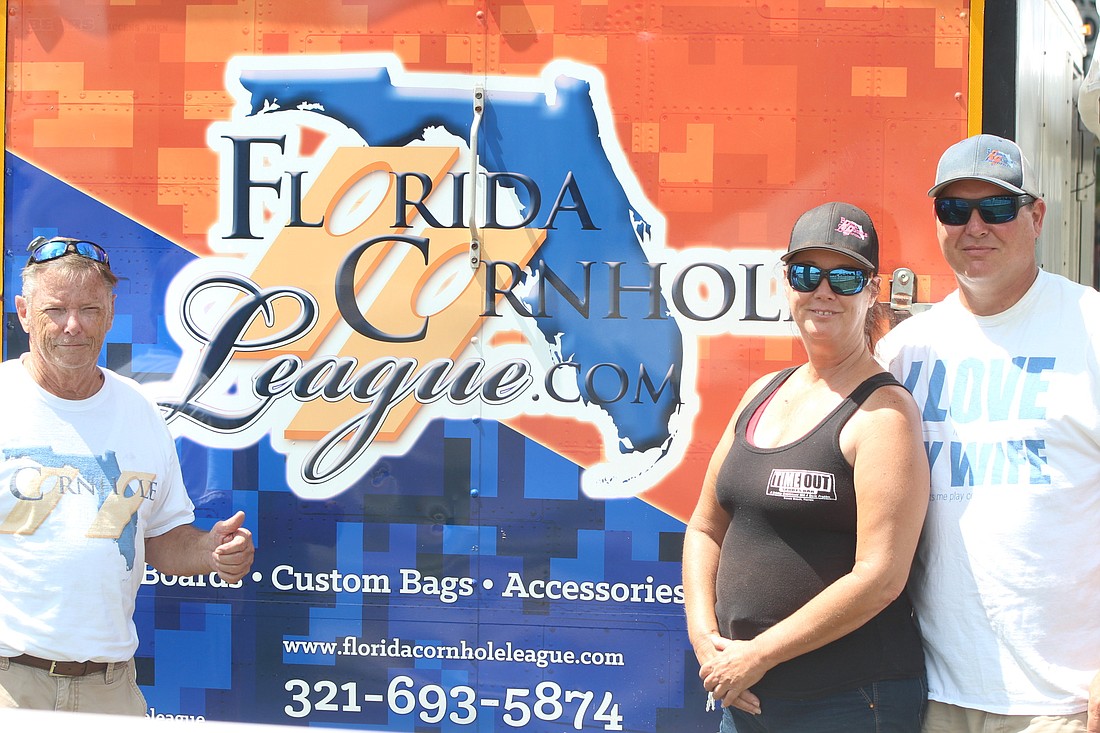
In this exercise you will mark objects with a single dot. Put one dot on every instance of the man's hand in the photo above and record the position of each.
(233, 551)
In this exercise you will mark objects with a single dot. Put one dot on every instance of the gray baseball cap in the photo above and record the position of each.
(986, 158)
(837, 227)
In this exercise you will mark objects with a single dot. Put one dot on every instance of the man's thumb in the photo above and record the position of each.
(229, 526)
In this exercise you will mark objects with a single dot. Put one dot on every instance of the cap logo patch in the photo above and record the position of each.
(851, 229)
(998, 157)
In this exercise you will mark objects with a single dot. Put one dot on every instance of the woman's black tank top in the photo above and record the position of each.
(792, 533)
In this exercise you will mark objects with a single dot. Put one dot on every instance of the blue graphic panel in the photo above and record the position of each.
(469, 575)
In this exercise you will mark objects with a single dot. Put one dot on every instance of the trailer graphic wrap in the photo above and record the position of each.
(352, 316)
(339, 322)
(467, 484)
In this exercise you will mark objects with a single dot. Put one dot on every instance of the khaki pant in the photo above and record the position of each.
(114, 690)
(943, 718)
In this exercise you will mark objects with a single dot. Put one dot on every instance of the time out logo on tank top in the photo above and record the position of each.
(799, 485)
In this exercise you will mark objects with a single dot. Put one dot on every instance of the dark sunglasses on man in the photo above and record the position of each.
(993, 209)
(44, 250)
(843, 280)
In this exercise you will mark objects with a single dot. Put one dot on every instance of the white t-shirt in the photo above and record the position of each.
(82, 483)
(1006, 584)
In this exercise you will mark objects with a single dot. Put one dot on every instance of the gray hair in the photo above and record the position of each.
(72, 268)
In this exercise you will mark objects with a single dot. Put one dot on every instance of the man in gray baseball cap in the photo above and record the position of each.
(986, 158)
(989, 215)
(1006, 371)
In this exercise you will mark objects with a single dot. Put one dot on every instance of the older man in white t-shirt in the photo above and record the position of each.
(93, 492)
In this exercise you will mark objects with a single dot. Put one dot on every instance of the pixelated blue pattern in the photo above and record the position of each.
(627, 515)
(469, 540)
(548, 475)
(482, 435)
(122, 329)
(198, 656)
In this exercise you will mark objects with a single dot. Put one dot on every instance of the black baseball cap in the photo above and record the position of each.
(837, 227)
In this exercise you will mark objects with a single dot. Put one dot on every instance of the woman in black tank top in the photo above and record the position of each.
(797, 555)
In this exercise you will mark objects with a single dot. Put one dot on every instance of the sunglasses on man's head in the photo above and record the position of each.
(842, 280)
(992, 209)
(44, 250)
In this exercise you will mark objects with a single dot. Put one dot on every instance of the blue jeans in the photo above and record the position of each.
(889, 706)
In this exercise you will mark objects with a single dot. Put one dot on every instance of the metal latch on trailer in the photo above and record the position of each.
(903, 293)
